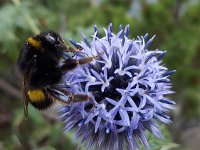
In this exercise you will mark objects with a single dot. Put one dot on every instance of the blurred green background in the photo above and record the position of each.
(176, 24)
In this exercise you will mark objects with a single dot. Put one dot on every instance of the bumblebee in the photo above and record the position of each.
(41, 67)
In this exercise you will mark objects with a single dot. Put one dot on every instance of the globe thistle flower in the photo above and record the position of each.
(127, 85)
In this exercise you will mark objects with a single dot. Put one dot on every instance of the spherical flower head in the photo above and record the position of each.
(127, 84)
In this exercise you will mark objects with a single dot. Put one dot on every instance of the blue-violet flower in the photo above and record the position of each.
(128, 85)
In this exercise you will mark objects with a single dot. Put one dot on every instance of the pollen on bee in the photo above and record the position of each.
(34, 42)
(36, 95)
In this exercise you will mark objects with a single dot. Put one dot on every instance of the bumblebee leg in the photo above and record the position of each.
(25, 96)
(70, 64)
(74, 49)
(67, 97)
(71, 49)
(88, 60)
(79, 97)
(25, 104)
(26, 108)
(82, 98)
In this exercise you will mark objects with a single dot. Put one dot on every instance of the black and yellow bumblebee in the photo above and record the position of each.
(41, 67)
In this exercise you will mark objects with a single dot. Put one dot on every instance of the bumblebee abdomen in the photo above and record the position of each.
(41, 105)
(39, 99)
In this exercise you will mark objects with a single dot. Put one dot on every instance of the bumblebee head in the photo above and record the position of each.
(52, 40)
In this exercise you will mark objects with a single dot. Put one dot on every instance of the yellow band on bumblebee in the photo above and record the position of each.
(36, 95)
(35, 43)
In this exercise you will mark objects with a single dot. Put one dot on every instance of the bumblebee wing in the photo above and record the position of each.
(24, 58)
(26, 77)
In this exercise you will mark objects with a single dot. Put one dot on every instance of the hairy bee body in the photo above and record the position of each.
(39, 64)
